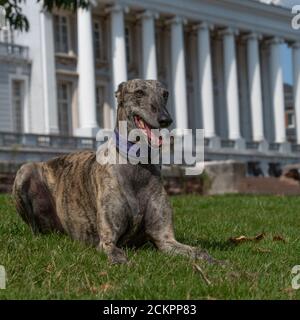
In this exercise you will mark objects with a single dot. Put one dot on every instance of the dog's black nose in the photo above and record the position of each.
(165, 121)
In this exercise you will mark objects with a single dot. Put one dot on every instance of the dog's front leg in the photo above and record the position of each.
(159, 227)
(111, 225)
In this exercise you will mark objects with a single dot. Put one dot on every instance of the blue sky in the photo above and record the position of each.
(286, 52)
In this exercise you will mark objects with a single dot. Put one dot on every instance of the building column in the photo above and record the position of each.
(178, 74)
(88, 126)
(231, 84)
(255, 90)
(205, 79)
(49, 76)
(296, 71)
(119, 64)
(277, 90)
(148, 43)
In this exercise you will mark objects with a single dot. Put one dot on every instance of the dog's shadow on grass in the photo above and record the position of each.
(209, 244)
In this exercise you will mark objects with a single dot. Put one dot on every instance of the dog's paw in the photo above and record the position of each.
(203, 255)
(117, 257)
(118, 260)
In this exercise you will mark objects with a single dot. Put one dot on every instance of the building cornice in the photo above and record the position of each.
(275, 41)
(229, 31)
(147, 14)
(252, 36)
(118, 7)
(246, 15)
(176, 20)
(204, 26)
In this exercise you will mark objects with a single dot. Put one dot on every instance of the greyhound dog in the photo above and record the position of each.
(106, 205)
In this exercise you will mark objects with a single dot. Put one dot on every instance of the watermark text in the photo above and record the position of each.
(296, 17)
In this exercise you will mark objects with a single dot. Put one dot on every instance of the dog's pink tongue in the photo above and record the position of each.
(156, 141)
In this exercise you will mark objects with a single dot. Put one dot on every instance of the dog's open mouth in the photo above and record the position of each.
(153, 139)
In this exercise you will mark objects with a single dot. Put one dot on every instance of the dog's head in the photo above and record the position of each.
(142, 103)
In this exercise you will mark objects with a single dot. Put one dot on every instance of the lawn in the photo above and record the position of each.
(55, 267)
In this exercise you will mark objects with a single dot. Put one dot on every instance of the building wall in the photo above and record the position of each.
(36, 90)
(14, 65)
(217, 12)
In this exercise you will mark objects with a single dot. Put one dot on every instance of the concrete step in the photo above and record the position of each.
(269, 185)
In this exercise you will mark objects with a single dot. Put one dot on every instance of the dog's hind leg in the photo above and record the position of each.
(33, 200)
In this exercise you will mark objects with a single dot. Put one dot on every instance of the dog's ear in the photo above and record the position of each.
(119, 94)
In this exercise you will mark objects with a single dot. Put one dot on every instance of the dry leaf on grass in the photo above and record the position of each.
(238, 239)
(290, 292)
(278, 238)
(105, 287)
(49, 268)
(102, 289)
(233, 275)
(241, 239)
(259, 236)
(93, 290)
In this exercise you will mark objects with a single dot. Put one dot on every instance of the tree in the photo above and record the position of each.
(18, 21)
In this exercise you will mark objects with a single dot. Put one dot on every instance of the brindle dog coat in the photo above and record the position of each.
(109, 205)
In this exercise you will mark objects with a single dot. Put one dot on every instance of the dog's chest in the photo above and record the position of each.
(135, 214)
(137, 205)
(137, 185)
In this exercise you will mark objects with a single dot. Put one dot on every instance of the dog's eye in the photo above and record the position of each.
(166, 95)
(139, 93)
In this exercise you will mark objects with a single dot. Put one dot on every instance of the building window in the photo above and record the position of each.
(100, 45)
(128, 45)
(7, 36)
(100, 100)
(290, 119)
(18, 97)
(98, 40)
(61, 34)
(64, 90)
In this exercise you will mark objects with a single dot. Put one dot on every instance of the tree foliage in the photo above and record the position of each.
(18, 21)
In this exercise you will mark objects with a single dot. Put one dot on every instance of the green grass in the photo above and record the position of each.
(55, 267)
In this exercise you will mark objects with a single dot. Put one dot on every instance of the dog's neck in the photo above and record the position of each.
(131, 150)
(123, 145)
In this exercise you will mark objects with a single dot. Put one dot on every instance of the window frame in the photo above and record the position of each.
(100, 104)
(102, 39)
(58, 33)
(69, 102)
(292, 114)
(107, 115)
(128, 45)
(18, 125)
(25, 106)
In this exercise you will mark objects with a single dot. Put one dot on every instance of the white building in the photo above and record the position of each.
(220, 59)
